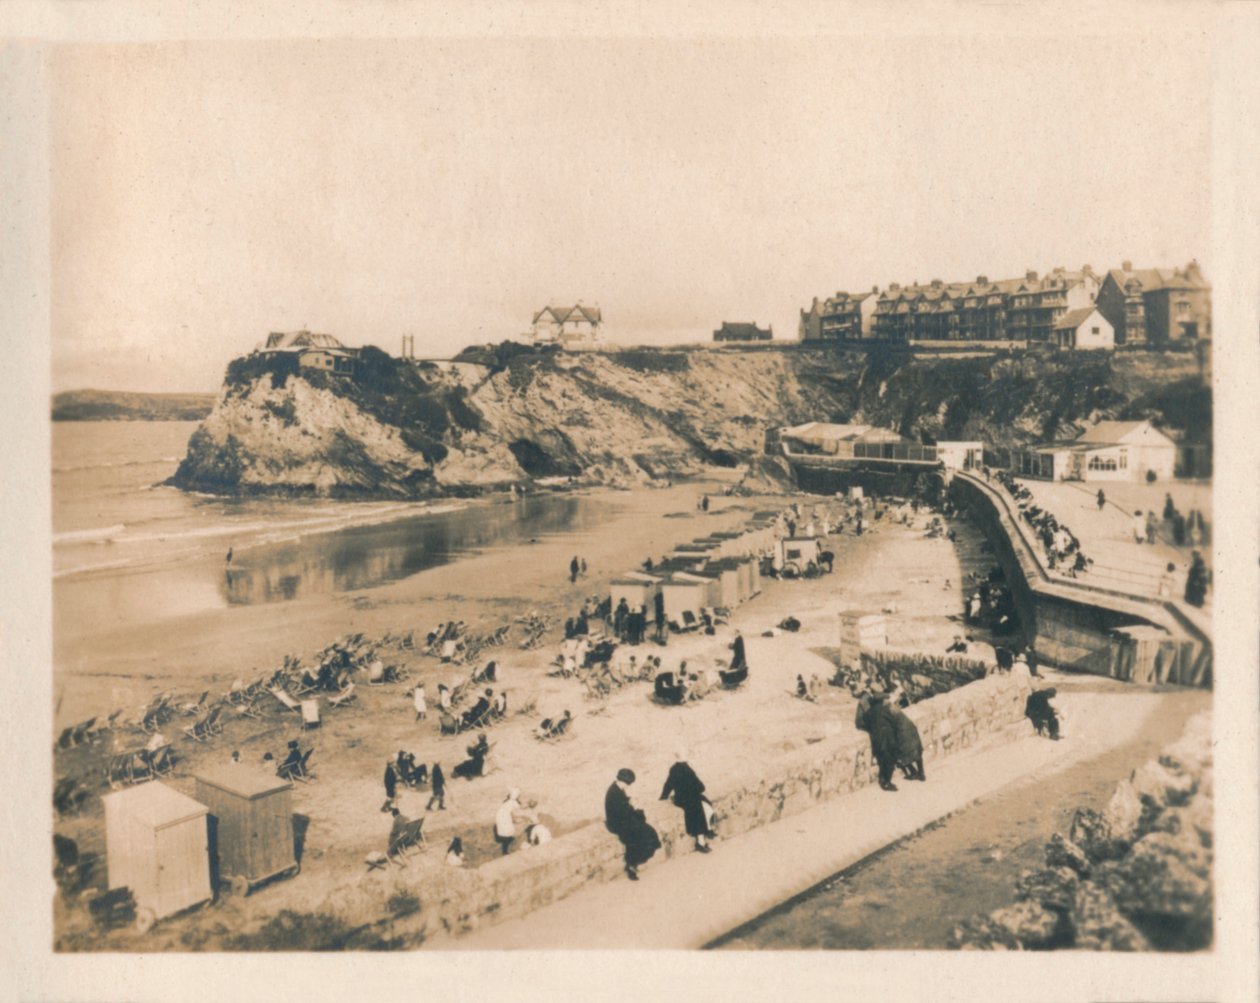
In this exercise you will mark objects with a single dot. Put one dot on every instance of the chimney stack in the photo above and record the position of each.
(982, 280)
(1126, 266)
(1030, 275)
(875, 290)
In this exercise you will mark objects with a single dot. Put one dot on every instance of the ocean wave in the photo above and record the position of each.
(101, 534)
(71, 468)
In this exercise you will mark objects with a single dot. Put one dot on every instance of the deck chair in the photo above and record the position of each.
(248, 709)
(731, 680)
(411, 837)
(158, 761)
(376, 861)
(310, 714)
(342, 697)
(68, 797)
(689, 620)
(284, 698)
(306, 684)
(199, 731)
(80, 733)
(376, 674)
(193, 707)
(156, 714)
(448, 723)
(397, 674)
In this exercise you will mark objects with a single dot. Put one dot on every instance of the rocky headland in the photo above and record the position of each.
(511, 414)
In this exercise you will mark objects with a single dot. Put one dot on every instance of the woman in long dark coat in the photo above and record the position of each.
(874, 718)
(629, 825)
(909, 745)
(688, 792)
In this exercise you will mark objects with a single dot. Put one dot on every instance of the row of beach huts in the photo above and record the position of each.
(718, 571)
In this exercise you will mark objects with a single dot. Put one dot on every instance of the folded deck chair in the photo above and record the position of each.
(343, 697)
(310, 713)
(284, 698)
(411, 836)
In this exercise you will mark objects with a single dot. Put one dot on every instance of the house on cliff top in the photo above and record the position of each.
(313, 351)
(742, 332)
(571, 327)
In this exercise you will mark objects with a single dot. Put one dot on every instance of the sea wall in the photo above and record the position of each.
(455, 901)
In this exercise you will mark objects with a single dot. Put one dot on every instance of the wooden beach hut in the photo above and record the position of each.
(156, 844)
(684, 593)
(727, 569)
(637, 591)
(252, 820)
(711, 580)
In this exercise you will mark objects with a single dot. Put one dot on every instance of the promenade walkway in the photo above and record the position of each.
(1106, 535)
(692, 900)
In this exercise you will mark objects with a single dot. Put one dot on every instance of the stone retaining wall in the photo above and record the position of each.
(456, 901)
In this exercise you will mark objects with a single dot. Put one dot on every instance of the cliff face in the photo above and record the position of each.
(406, 429)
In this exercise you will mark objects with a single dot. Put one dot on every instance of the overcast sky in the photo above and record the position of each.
(207, 193)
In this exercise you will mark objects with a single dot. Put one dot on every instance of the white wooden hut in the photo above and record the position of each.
(684, 592)
(637, 591)
(157, 844)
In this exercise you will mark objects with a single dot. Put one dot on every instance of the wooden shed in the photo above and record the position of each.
(252, 821)
(156, 844)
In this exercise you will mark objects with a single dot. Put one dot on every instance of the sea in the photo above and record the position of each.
(126, 545)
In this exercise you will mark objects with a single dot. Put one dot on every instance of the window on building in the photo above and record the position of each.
(1183, 309)
(1095, 330)
(1105, 463)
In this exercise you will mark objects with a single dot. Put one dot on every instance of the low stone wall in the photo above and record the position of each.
(456, 901)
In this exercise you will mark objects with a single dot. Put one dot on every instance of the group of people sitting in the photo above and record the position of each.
(991, 603)
(446, 640)
(1061, 547)
(808, 690)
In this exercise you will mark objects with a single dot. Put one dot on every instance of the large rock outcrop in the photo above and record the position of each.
(401, 428)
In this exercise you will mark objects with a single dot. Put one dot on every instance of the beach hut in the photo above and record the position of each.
(637, 591)
(156, 844)
(252, 822)
(744, 576)
(793, 555)
(684, 593)
(712, 581)
(729, 593)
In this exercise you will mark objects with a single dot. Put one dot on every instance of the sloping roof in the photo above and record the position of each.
(561, 314)
(291, 340)
(1110, 431)
(1073, 319)
(741, 330)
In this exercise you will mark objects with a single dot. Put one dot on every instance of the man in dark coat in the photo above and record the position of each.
(874, 718)
(573, 570)
(1197, 581)
(391, 785)
(629, 824)
(620, 616)
(662, 628)
(739, 660)
(688, 792)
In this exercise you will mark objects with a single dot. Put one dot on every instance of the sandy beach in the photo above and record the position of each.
(729, 734)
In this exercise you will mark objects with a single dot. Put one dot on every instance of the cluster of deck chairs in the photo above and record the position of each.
(917, 676)
(68, 797)
(139, 765)
(536, 626)
(406, 836)
(709, 618)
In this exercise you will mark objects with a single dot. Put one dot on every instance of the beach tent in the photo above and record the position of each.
(252, 821)
(157, 844)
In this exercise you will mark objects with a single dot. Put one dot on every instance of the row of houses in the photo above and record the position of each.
(1063, 308)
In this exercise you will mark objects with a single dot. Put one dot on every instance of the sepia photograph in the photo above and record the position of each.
(551, 487)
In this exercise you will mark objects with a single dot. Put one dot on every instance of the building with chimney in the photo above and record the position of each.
(742, 332)
(571, 327)
(1157, 306)
(841, 317)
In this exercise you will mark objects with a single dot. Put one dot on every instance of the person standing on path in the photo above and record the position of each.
(1196, 581)
(422, 708)
(505, 821)
(629, 824)
(438, 780)
(582, 567)
(739, 660)
(874, 719)
(1139, 527)
(687, 790)
(391, 785)
(662, 628)
(1102, 500)
(1151, 525)
(573, 570)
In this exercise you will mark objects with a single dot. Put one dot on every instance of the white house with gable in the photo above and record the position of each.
(574, 327)
(1083, 329)
(1110, 451)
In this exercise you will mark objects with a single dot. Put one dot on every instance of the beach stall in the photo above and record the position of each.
(252, 820)
(684, 593)
(156, 844)
(861, 630)
(637, 591)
